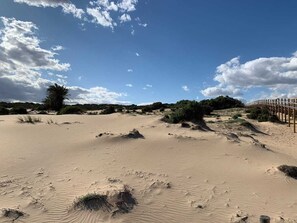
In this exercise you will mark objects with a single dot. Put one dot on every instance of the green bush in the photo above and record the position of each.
(108, 110)
(236, 116)
(4, 111)
(18, 111)
(185, 111)
(70, 110)
(222, 102)
(262, 115)
(157, 105)
(146, 109)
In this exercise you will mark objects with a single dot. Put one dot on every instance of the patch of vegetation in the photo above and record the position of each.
(71, 110)
(93, 202)
(56, 95)
(236, 116)
(12, 214)
(290, 171)
(29, 119)
(134, 134)
(146, 109)
(92, 113)
(50, 122)
(123, 202)
(222, 102)
(185, 111)
(4, 111)
(108, 110)
(18, 111)
(42, 112)
(262, 114)
(185, 125)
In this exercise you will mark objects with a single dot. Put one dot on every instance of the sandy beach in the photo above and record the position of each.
(176, 174)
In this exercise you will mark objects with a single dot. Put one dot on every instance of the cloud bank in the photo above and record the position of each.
(276, 74)
(24, 65)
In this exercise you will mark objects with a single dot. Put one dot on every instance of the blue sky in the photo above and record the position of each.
(131, 51)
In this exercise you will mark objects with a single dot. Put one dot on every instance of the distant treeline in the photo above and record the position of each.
(221, 102)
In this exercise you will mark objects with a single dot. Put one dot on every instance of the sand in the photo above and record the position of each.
(176, 174)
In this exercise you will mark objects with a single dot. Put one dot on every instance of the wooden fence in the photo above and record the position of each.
(284, 108)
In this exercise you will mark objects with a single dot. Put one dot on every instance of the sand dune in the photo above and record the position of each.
(176, 174)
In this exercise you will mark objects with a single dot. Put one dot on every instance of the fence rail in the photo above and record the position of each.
(284, 108)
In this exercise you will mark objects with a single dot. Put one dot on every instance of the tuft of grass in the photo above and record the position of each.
(29, 119)
(290, 171)
(50, 122)
(93, 202)
(236, 116)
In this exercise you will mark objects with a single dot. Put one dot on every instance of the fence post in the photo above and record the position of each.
(282, 109)
(294, 115)
(285, 109)
(289, 112)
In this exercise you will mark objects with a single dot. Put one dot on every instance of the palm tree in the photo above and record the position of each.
(56, 95)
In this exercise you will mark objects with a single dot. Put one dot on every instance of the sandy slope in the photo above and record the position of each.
(45, 167)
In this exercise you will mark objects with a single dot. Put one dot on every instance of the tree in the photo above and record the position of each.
(56, 95)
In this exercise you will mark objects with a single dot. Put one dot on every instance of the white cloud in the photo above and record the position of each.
(129, 85)
(95, 95)
(137, 54)
(79, 78)
(128, 5)
(185, 88)
(104, 12)
(130, 70)
(137, 19)
(273, 73)
(23, 62)
(57, 48)
(218, 90)
(66, 5)
(149, 85)
(125, 18)
(100, 17)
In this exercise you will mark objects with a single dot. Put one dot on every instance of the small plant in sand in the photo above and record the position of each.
(134, 134)
(93, 202)
(290, 171)
(236, 116)
(50, 122)
(29, 119)
(13, 214)
(119, 202)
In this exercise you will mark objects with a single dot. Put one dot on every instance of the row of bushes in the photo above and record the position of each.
(13, 111)
(206, 106)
